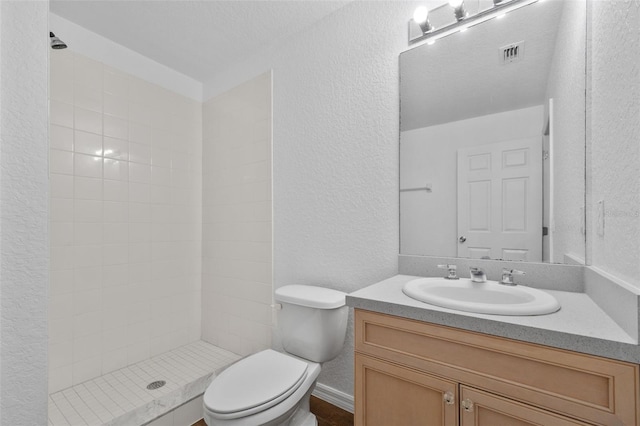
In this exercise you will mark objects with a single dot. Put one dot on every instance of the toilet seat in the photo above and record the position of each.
(254, 384)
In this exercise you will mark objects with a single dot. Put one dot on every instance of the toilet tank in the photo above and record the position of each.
(312, 322)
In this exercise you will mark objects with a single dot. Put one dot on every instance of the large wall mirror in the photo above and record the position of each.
(492, 150)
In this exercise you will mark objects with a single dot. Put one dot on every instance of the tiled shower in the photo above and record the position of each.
(138, 248)
(236, 237)
(125, 169)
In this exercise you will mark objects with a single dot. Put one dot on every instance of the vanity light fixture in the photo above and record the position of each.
(463, 20)
(421, 17)
(458, 9)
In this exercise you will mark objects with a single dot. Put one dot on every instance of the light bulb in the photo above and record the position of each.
(421, 14)
(458, 9)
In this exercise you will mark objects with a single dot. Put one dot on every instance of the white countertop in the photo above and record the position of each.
(580, 324)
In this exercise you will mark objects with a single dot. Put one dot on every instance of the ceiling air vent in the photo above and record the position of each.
(512, 53)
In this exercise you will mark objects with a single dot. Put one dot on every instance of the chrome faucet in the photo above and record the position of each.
(507, 276)
(477, 275)
(452, 271)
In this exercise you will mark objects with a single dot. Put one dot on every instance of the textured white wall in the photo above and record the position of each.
(615, 132)
(125, 167)
(428, 222)
(23, 212)
(335, 152)
(566, 85)
(236, 219)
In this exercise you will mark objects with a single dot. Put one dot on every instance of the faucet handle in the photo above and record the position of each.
(507, 276)
(477, 274)
(452, 271)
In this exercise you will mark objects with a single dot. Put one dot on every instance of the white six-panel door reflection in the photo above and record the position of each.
(500, 200)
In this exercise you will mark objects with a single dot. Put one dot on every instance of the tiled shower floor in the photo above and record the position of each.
(122, 398)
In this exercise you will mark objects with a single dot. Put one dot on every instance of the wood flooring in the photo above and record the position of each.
(330, 415)
(326, 413)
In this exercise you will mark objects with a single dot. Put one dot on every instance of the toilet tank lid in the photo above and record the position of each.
(311, 296)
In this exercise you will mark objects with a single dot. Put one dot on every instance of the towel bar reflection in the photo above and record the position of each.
(421, 188)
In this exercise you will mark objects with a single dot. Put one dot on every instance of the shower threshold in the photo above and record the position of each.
(134, 395)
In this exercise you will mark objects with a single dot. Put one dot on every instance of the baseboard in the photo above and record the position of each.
(334, 396)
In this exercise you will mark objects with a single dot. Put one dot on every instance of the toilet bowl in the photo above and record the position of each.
(273, 388)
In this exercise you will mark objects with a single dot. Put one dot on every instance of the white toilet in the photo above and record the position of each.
(273, 388)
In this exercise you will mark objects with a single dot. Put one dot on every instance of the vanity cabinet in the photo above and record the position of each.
(414, 373)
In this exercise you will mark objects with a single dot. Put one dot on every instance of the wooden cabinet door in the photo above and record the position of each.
(478, 408)
(389, 395)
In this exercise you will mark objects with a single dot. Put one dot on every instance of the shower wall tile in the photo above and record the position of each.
(61, 185)
(87, 188)
(61, 282)
(116, 149)
(61, 162)
(88, 143)
(61, 137)
(87, 120)
(115, 105)
(87, 165)
(88, 98)
(236, 227)
(125, 220)
(60, 113)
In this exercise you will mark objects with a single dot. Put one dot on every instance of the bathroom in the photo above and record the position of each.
(333, 185)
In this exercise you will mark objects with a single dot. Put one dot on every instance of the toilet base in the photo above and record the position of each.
(310, 420)
(303, 415)
(299, 417)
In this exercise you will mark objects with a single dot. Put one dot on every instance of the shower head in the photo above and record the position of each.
(56, 43)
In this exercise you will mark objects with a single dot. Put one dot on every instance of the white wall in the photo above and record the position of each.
(125, 165)
(23, 212)
(237, 238)
(615, 132)
(566, 85)
(335, 152)
(429, 155)
(106, 51)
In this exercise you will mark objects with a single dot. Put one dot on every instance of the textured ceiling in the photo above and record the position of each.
(196, 38)
(461, 75)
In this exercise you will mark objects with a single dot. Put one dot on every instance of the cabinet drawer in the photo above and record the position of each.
(586, 387)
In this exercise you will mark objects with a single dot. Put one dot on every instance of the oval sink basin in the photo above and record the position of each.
(482, 298)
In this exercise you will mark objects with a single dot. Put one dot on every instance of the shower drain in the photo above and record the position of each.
(156, 385)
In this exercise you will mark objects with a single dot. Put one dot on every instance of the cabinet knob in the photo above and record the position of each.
(467, 404)
(449, 398)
